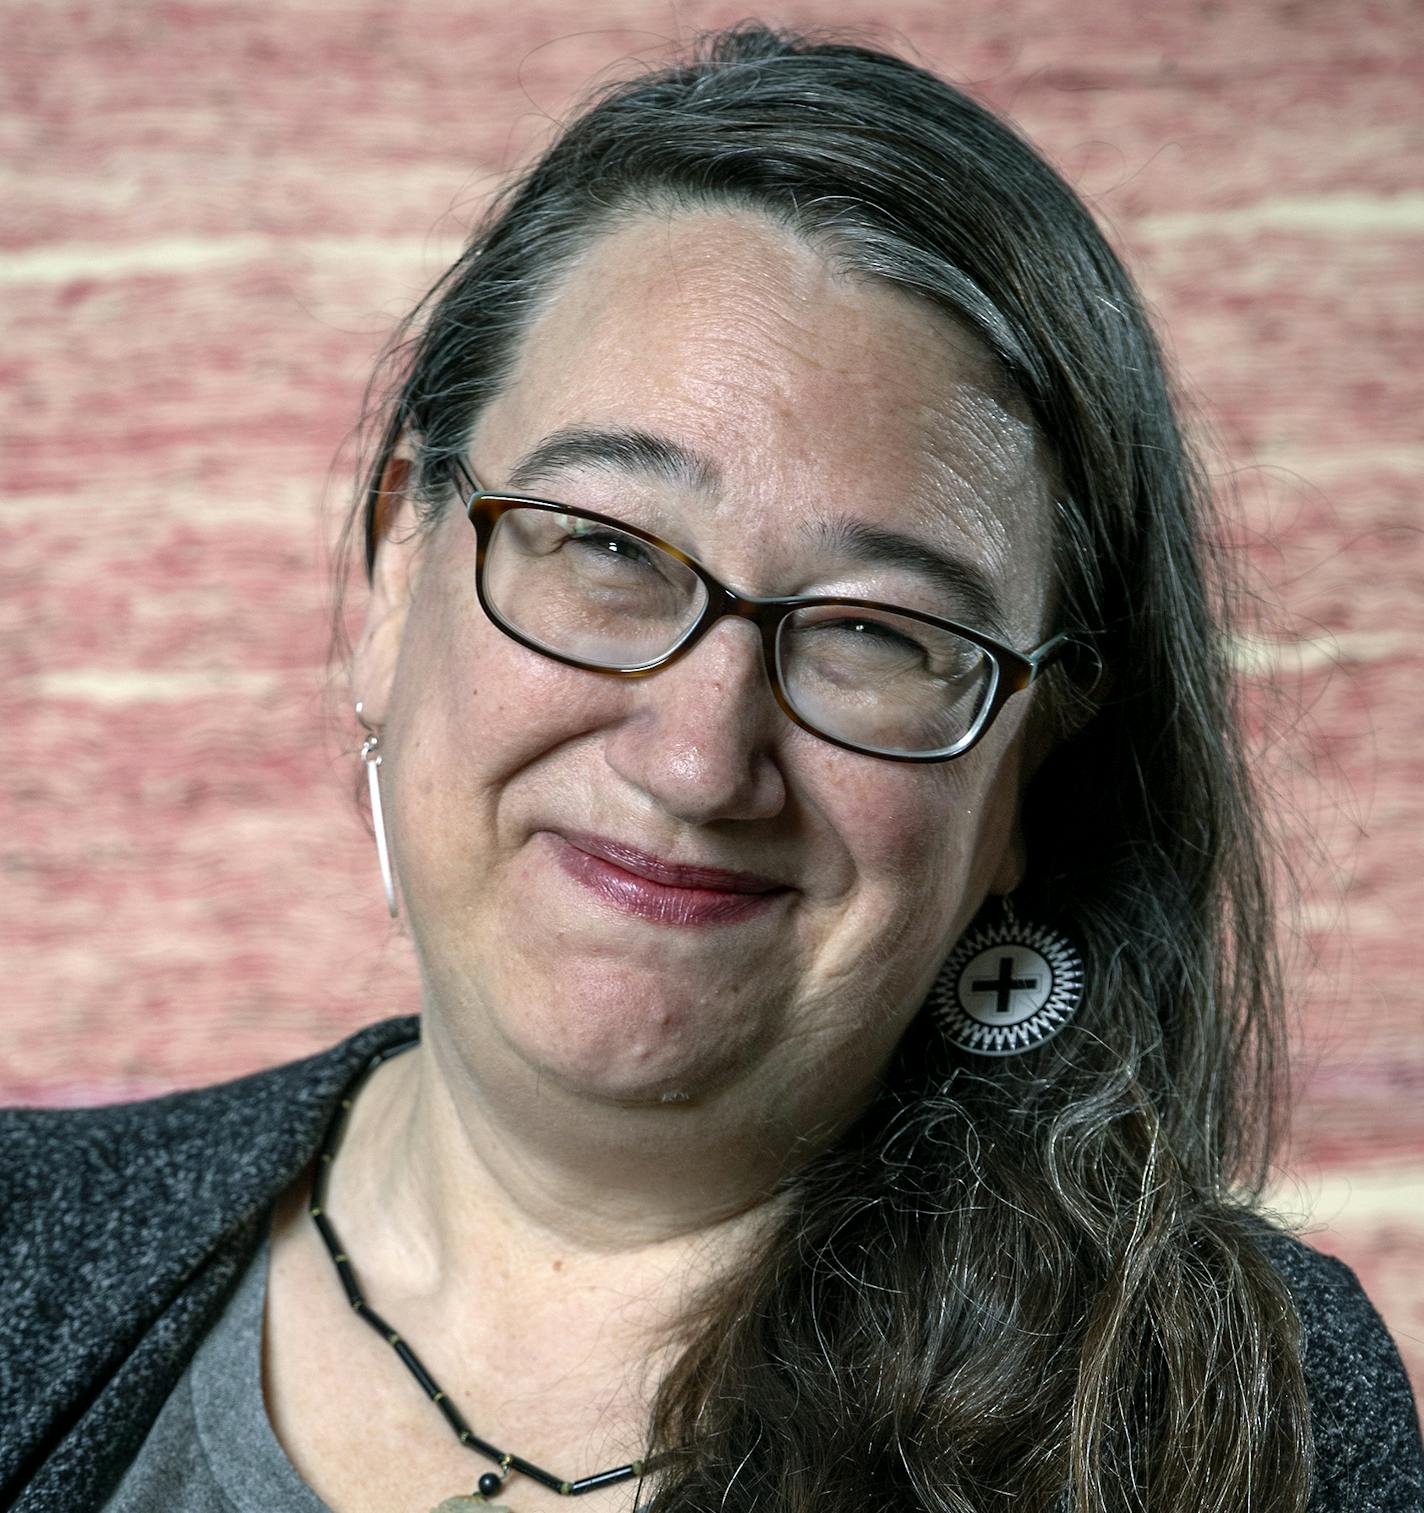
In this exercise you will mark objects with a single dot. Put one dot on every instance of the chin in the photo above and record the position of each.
(608, 1040)
(634, 1072)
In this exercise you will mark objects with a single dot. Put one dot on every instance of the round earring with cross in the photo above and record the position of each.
(1007, 987)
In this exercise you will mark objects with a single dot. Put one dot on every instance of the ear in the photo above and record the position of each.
(393, 583)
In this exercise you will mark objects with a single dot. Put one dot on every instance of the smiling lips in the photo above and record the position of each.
(650, 888)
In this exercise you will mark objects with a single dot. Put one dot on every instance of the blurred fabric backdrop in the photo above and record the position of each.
(213, 213)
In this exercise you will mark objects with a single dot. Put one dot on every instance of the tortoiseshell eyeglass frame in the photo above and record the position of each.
(1013, 671)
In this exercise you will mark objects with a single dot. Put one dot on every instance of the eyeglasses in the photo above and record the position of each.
(594, 592)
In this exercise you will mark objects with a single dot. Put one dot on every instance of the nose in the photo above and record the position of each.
(700, 737)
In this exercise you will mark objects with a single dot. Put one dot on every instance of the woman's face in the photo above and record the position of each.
(810, 402)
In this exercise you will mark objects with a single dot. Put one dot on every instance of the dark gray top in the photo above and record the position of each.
(125, 1231)
(211, 1448)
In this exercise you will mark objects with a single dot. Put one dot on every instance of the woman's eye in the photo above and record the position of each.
(872, 633)
(881, 648)
(600, 541)
(865, 642)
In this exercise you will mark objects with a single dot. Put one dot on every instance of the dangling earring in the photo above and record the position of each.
(1007, 986)
(371, 755)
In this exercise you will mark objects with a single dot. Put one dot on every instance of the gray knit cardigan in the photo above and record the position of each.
(124, 1229)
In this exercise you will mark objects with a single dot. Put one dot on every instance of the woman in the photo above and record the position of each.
(845, 1075)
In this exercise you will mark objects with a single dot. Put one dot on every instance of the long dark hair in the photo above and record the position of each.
(1043, 1285)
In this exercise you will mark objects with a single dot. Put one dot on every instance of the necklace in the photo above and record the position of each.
(490, 1482)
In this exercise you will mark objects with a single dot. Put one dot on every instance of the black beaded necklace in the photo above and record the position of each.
(491, 1481)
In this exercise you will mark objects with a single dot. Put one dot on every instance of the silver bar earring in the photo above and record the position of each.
(370, 754)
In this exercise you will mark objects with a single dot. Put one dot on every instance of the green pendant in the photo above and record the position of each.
(467, 1504)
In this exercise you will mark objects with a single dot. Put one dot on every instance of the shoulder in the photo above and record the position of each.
(201, 1141)
(1363, 1415)
(121, 1227)
(121, 1230)
(113, 1198)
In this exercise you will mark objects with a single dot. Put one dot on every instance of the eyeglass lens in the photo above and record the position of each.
(871, 678)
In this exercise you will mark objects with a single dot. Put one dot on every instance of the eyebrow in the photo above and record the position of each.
(629, 451)
(968, 587)
(965, 584)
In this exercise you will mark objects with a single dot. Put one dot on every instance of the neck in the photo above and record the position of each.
(447, 1184)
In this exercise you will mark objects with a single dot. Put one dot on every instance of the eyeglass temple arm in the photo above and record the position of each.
(1067, 644)
(1041, 656)
(458, 465)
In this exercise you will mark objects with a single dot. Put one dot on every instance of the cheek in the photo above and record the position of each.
(929, 840)
(475, 706)
(911, 829)
(474, 717)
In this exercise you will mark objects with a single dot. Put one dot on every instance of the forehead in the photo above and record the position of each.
(813, 390)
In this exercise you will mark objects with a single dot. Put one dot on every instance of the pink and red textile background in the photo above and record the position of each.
(214, 211)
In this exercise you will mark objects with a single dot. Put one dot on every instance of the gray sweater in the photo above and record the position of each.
(124, 1229)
